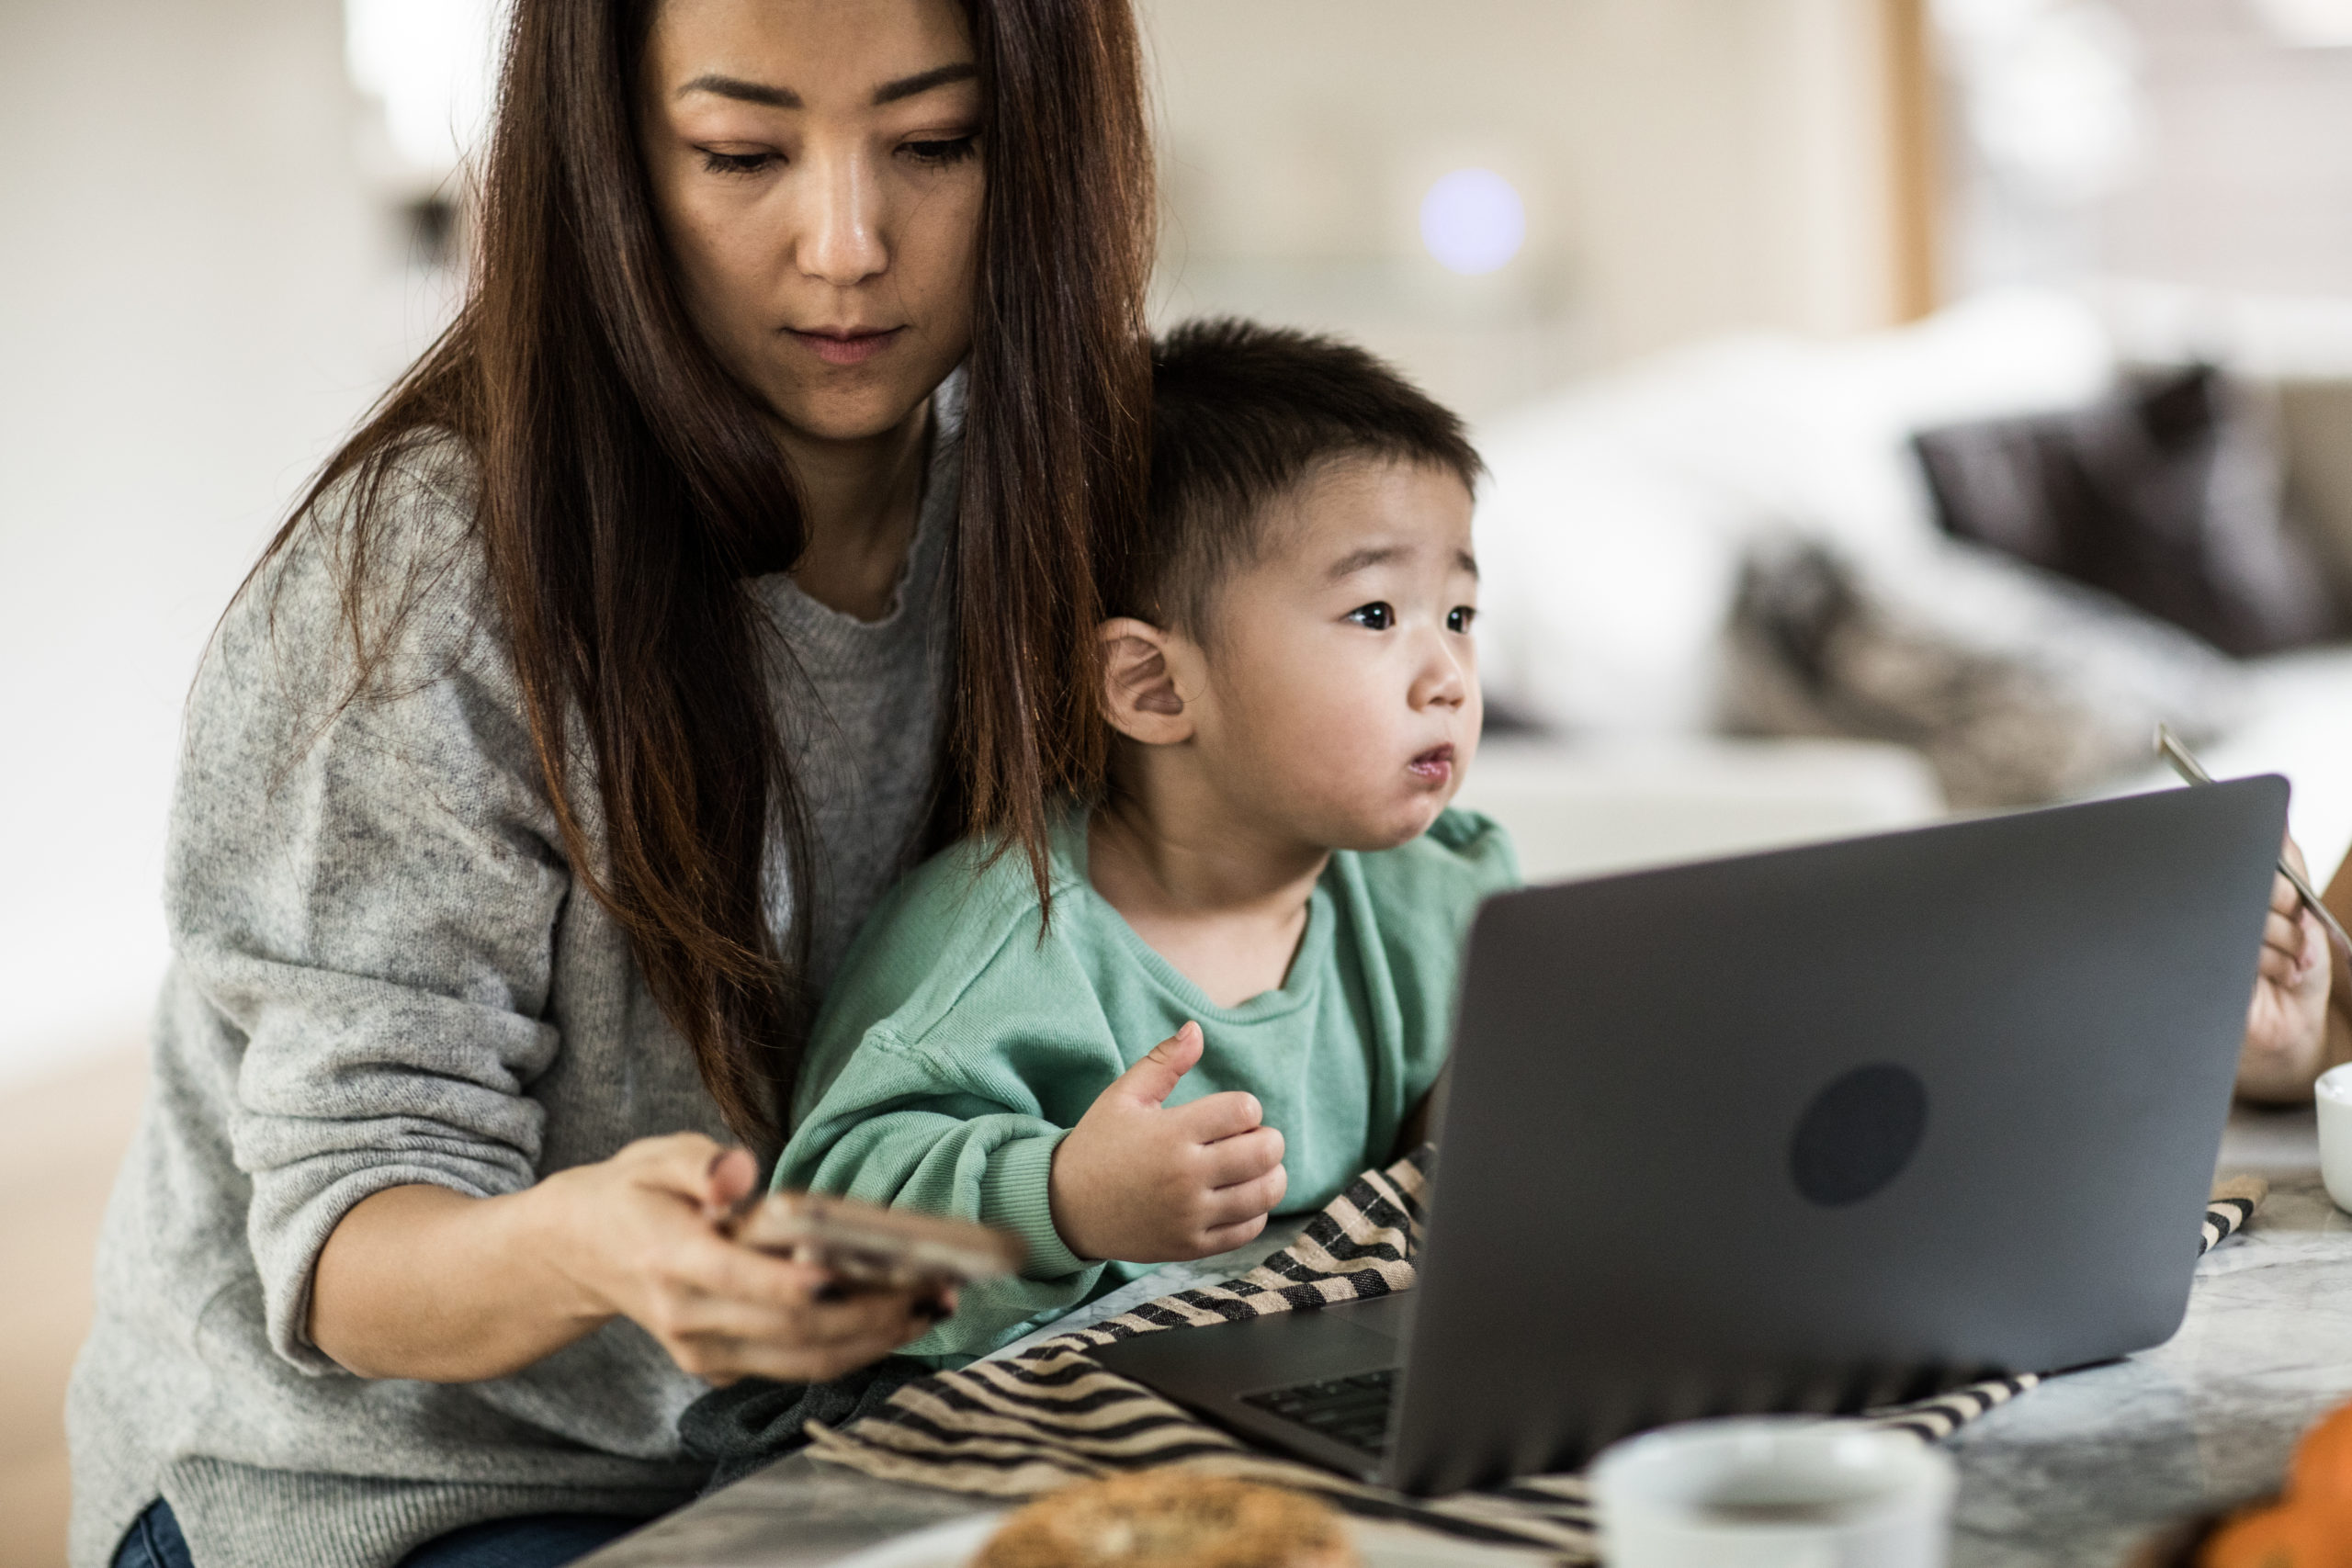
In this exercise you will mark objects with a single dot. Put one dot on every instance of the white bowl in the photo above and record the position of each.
(2332, 1095)
(1774, 1492)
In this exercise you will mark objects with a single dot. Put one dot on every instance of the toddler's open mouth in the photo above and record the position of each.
(1436, 764)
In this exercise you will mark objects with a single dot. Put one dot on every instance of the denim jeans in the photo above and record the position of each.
(536, 1541)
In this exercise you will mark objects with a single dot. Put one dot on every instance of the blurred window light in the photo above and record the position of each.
(2052, 93)
(1473, 222)
(433, 64)
(2308, 24)
(1985, 21)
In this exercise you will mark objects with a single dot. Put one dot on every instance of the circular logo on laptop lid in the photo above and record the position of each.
(1858, 1134)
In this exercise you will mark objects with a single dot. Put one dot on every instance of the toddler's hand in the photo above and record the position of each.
(1140, 1183)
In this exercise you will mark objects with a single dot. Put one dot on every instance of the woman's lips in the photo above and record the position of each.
(846, 348)
(1436, 764)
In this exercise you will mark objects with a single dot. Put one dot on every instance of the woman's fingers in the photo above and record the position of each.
(708, 1174)
(2285, 902)
(722, 1310)
(2283, 937)
(729, 1178)
(730, 1359)
(731, 1272)
(2311, 959)
(782, 1322)
(2283, 946)
(733, 1311)
(720, 1360)
(2293, 945)
(881, 1317)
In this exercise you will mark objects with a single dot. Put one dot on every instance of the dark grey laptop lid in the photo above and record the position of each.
(2014, 1038)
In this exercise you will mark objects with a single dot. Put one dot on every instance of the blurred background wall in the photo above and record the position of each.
(213, 263)
(1687, 167)
(222, 238)
(197, 291)
(2189, 141)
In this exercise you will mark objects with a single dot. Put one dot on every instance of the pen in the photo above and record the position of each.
(2169, 748)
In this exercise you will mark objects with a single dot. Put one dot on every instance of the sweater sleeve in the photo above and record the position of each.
(366, 890)
(898, 1128)
(900, 1131)
(956, 1052)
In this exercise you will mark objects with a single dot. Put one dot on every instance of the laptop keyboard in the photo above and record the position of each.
(1351, 1410)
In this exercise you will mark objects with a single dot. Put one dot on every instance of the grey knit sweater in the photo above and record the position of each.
(385, 974)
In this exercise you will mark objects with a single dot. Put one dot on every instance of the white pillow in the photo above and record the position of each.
(1612, 529)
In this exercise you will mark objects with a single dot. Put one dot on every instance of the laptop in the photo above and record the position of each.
(1811, 1130)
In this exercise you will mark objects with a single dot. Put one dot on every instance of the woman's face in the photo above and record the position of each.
(817, 167)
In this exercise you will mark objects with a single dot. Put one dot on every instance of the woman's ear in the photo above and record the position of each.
(1139, 684)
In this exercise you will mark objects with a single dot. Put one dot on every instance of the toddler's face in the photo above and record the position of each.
(1343, 682)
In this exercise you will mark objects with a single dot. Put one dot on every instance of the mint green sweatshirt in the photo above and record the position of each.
(960, 1043)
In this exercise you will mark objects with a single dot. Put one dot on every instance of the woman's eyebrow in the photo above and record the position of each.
(924, 82)
(749, 92)
(786, 98)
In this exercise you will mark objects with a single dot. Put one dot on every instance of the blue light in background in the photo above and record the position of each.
(1473, 222)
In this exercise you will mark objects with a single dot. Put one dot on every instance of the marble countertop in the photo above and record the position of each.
(2076, 1473)
(2086, 1466)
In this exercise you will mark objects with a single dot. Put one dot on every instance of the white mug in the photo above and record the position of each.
(1774, 1492)
(2334, 1095)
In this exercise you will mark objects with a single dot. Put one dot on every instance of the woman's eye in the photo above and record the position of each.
(735, 162)
(1458, 619)
(941, 152)
(1376, 617)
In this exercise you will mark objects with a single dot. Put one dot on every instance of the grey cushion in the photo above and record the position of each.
(2020, 687)
(2166, 494)
(2314, 419)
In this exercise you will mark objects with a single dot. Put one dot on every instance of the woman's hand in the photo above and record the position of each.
(2286, 1026)
(1143, 1183)
(723, 1310)
(424, 1282)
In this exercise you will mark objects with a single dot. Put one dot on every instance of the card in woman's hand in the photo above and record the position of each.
(869, 1245)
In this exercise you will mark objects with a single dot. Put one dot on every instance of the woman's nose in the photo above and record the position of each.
(842, 242)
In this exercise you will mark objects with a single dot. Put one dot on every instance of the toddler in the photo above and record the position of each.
(1271, 888)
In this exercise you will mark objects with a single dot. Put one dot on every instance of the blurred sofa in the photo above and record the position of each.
(1585, 808)
(1623, 518)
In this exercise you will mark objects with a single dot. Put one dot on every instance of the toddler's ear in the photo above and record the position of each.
(1139, 688)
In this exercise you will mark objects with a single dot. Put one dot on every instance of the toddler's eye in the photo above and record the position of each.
(1375, 617)
(1458, 619)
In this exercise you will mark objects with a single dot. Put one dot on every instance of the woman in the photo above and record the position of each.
(2300, 1022)
(671, 605)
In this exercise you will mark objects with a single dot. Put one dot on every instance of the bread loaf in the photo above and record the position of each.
(1171, 1519)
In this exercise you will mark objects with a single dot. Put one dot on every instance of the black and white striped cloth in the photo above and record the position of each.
(1051, 1415)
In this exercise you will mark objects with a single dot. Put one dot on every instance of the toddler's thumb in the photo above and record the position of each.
(1155, 1078)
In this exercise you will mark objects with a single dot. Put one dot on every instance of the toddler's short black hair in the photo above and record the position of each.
(1241, 414)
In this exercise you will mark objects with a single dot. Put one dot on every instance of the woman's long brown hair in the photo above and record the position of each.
(628, 485)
